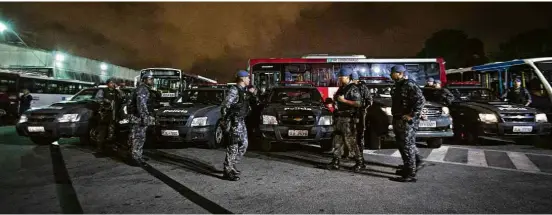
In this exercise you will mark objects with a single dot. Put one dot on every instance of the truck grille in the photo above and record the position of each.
(291, 120)
(164, 120)
(518, 117)
(42, 117)
(432, 111)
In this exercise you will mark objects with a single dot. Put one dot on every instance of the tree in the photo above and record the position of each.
(529, 44)
(455, 47)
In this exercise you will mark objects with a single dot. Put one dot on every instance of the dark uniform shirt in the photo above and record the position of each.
(142, 102)
(352, 93)
(110, 99)
(444, 95)
(365, 95)
(237, 103)
(518, 95)
(408, 99)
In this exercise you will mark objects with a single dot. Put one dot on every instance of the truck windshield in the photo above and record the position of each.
(546, 68)
(295, 95)
(473, 94)
(87, 94)
(202, 96)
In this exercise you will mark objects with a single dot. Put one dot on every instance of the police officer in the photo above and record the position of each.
(140, 112)
(430, 82)
(235, 109)
(445, 96)
(406, 109)
(25, 101)
(366, 97)
(518, 94)
(110, 100)
(348, 100)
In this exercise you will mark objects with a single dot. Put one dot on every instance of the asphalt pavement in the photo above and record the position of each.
(460, 179)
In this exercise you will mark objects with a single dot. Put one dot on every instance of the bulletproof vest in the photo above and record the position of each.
(516, 96)
(346, 91)
(150, 103)
(401, 101)
(241, 107)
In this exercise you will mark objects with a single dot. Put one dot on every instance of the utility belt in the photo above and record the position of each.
(347, 113)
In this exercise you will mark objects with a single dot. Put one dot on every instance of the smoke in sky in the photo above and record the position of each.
(216, 39)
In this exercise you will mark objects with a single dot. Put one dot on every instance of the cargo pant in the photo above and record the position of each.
(405, 137)
(236, 145)
(345, 136)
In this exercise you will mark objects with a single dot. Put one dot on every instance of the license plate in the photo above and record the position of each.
(35, 129)
(170, 133)
(298, 133)
(428, 124)
(523, 129)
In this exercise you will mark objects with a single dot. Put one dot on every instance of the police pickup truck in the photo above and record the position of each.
(435, 123)
(480, 115)
(294, 114)
(75, 117)
(193, 117)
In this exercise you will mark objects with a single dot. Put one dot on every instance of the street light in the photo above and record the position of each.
(60, 57)
(103, 66)
(3, 27)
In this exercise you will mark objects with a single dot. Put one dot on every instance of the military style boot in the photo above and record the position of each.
(408, 176)
(359, 165)
(334, 165)
(231, 176)
(236, 170)
(419, 164)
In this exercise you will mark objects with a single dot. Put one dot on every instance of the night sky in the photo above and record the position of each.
(215, 39)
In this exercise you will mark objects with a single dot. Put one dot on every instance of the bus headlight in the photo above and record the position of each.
(488, 118)
(69, 118)
(387, 110)
(199, 121)
(541, 117)
(325, 120)
(269, 120)
(446, 111)
(23, 119)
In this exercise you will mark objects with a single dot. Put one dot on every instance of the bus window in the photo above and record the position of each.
(52, 88)
(27, 83)
(8, 84)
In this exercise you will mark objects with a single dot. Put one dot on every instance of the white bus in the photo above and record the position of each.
(44, 90)
(535, 75)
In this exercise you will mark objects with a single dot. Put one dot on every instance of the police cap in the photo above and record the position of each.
(437, 81)
(517, 80)
(345, 72)
(398, 69)
(109, 81)
(148, 74)
(242, 74)
(355, 76)
(430, 80)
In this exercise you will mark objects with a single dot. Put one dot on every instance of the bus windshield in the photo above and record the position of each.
(546, 68)
(167, 85)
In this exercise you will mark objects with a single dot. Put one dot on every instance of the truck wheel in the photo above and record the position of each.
(216, 141)
(435, 143)
(266, 146)
(90, 138)
(374, 141)
(326, 145)
(42, 140)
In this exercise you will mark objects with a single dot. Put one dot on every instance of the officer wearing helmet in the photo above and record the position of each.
(140, 110)
(406, 109)
(234, 110)
(348, 101)
(430, 82)
(110, 102)
(366, 102)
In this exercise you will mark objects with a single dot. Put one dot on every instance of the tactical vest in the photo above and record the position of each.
(241, 108)
(132, 106)
(343, 108)
(401, 102)
(517, 96)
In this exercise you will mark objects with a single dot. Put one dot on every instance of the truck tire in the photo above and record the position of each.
(266, 146)
(217, 139)
(435, 143)
(374, 140)
(42, 140)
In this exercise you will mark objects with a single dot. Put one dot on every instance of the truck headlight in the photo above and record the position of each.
(325, 120)
(387, 110)
(69, 118)
(446, 111)
(199, 121)
(541, 117)
(488, 118)
(23, 119)
(124, 121)
(269, 120)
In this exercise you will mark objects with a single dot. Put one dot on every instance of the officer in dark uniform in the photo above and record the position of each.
(408, 102)
(366, 102)
(430, 82)
(348, 101)
(110, 102)
(25, 101)
(518, 94)
(444, 95)
(140, 110)
(234, 110)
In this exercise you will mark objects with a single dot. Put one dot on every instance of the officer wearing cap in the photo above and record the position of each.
(110, 101)
(444, 95)
(430, 82)
(366, 102)
(348, 101)
(234, 110)
(140, 110)
(406, 109)
(518, 94)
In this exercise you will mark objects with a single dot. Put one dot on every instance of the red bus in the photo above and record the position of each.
(321, 70)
